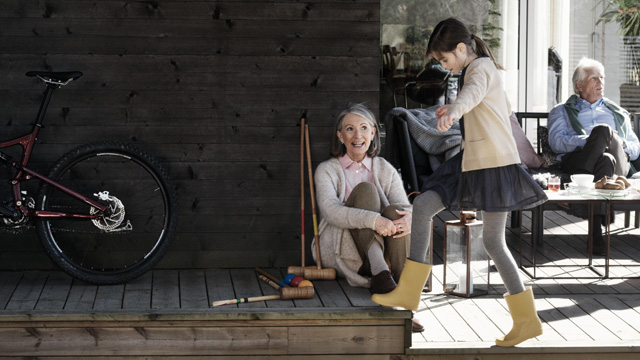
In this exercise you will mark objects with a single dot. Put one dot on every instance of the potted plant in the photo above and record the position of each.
(627, 14)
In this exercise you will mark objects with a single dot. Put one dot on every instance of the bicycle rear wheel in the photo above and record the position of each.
(141, 224)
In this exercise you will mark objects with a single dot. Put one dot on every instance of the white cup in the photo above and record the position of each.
(583, 180)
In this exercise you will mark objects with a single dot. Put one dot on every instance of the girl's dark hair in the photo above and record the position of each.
(449, 33)
(337, 148)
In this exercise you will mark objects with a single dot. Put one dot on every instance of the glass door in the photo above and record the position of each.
(405, 29)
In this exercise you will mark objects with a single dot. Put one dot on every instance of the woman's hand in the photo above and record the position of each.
(445, 119)
(403, 225)
(384, 226)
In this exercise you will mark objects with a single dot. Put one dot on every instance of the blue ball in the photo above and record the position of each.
(287, 279)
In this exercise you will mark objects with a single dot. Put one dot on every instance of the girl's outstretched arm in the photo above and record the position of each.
(445, 118)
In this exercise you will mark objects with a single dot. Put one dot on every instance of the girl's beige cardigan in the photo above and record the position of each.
(488, 140)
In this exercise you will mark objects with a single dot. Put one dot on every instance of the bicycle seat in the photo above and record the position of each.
(60, 76)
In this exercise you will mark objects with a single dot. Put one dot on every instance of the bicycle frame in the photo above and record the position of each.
(27, 142)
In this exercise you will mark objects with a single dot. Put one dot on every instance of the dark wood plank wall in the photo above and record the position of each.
(215, 89)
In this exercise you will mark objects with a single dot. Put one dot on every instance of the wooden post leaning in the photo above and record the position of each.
(310, 272)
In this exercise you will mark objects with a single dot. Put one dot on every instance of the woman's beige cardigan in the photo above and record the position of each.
(336, 244)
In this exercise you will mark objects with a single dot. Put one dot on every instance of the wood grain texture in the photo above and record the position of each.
(213, 89)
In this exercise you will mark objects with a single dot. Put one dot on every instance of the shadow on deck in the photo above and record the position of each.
(167, 314)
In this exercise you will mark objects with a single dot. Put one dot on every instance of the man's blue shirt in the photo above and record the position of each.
(564, 139)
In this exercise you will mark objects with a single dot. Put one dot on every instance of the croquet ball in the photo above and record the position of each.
(287, 279)
(305, 283)
(296, 280)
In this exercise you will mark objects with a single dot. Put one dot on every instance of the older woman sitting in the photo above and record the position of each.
(365, 214)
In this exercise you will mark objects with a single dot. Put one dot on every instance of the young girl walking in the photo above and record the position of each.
(486, 175)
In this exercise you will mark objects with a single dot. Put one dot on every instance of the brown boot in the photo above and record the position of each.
(383, 282)
(416, 326)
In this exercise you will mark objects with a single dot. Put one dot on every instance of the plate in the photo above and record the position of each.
(610, 193)
(573, 185)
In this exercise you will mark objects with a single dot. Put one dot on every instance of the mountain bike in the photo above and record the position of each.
(105, 213)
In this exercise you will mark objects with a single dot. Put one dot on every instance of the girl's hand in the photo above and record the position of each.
(403, 225)
(445, 119)
(384, 226)
(442, 110)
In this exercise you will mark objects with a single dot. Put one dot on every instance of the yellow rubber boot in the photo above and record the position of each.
(407, 293)
(526, 323)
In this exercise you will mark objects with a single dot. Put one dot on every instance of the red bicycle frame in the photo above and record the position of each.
(27, 142)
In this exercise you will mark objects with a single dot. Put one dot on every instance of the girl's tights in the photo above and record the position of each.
(429, 204)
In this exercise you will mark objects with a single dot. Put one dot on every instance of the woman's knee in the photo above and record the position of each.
(364, 196)
(390, 212)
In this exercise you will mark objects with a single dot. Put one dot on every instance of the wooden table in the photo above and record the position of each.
(590, 198)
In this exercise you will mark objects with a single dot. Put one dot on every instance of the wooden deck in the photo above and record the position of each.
(167, 313)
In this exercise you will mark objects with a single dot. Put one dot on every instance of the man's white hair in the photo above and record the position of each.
(581, 71)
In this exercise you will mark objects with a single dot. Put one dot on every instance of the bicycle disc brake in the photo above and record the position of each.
(116, 216)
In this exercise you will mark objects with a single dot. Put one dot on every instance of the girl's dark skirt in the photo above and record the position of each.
(500, 189)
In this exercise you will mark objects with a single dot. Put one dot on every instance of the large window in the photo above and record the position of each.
(539, 42)
(591, 28)
(407, 24)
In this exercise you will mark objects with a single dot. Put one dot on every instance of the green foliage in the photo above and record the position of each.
(413, 22)
(627, 14)
(624, 12)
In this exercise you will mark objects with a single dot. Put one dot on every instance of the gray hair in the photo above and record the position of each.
(337, 148)
(581, 71)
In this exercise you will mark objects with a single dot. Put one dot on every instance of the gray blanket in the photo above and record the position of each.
(422, 129)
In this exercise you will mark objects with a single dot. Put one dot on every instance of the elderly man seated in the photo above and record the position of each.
(592, 135)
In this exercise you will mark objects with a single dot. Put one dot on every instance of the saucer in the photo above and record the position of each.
(611, 192)
(590, 187)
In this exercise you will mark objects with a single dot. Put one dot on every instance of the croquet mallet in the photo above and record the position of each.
(245, 300)
(299, 270)
(286, 292)
(309, 272)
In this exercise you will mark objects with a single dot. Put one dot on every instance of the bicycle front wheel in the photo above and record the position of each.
(138, 228)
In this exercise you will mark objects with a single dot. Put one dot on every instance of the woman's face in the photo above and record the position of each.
(356, 135)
